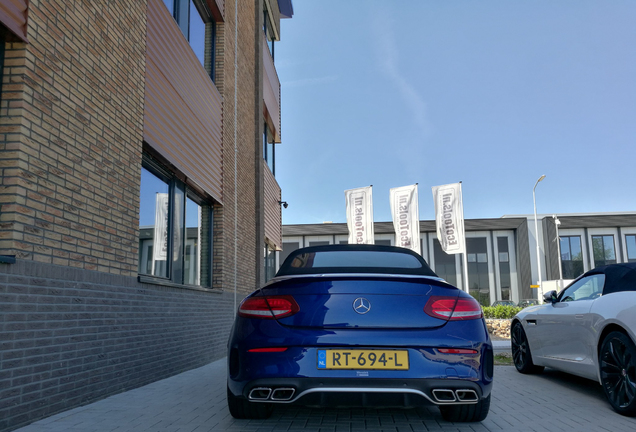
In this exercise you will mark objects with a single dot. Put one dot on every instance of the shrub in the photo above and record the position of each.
(500, 311)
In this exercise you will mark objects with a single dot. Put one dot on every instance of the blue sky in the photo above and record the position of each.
(490, 93)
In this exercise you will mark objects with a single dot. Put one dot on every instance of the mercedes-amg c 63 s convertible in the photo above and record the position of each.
(359, 325)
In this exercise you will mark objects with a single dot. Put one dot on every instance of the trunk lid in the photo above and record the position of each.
(361, 302)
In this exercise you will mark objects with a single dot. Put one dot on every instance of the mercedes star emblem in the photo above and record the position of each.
(361, 305)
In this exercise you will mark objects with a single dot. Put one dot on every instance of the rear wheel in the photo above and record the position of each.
(618, 372)
(466, 413)
(521, 351)
(241, 408)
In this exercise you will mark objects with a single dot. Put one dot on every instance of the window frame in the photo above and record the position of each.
(569, 238)
(175, 272)
(184, 24)
(269, 157)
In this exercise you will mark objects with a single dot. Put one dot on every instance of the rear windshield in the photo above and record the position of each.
(354, 259)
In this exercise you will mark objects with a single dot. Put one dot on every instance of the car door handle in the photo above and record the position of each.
(578, 316)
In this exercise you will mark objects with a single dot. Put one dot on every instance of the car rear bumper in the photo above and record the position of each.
(362, 391)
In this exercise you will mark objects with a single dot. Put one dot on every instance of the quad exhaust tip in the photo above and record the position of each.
(444, 395)
(461, 395)
(282, 394)
(260, 393)
(466, 395)
(266, 393)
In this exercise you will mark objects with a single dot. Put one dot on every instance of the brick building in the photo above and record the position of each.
(138, 201)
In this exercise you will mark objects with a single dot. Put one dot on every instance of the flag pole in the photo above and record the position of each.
(466, 288)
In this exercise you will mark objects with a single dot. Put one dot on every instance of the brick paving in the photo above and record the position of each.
(194, 401)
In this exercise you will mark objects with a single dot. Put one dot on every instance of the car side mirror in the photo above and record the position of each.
(550, 297)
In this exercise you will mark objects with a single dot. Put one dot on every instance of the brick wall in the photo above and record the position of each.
(76, 336)
(75, 324)
(249, 243)
(71, 134)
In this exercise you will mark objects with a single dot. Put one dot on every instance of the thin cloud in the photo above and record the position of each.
(388, 55)
(310, 81)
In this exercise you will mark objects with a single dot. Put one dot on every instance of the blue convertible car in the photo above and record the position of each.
(359, 325)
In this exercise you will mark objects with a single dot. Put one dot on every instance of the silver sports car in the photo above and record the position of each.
(588, 329)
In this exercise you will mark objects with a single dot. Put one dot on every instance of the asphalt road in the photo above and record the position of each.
(195, 401)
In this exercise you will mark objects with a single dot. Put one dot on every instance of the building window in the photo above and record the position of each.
(504, 268)
(603, 249)
(270, 262)
(444, 264)
(478, 277)
(571, 257)
(269, 152)
(175, 230)
(269, 34)
(630, 241)
(193, 17)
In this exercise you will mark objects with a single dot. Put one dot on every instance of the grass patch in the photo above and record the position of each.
(503, 360)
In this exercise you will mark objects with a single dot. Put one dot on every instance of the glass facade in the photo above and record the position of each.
(478, 277)
(193, 26)
(175, 231)
(270, 262)
(630, 243)
(197, 33)
(192, 253)
(444, 264)
(153, 225)
(504, 268)
(571, 257)
(268, 149)
(603, 250)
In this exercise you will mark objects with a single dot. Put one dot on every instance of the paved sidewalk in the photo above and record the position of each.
(194, 401)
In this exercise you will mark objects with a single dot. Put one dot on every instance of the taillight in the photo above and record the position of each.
(272, 307)
(268, 350)
(456, 351)
(453, 308)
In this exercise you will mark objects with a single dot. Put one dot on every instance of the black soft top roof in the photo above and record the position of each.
(354, 259)
(618, 277)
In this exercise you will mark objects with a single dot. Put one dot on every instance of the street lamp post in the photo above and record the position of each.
(536, 235)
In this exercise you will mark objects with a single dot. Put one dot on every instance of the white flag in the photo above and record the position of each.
(406, 217)
(360, 215)
(449, 217)
(160, 241)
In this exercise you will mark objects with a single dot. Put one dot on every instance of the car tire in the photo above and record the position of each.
(618, 372)
(241, 408)
(521, 356)
(466, 413)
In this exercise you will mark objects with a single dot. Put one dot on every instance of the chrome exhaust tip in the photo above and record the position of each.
(283, 394)
(466, 395)
(260, 393)
(444, 395)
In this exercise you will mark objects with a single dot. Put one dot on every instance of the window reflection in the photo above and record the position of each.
(630, 240)
(604, 252)
(197, 33)
(571, 257)
(477, 257)
(444, 264)
(192, 251)
(153, 225)
(504, 267)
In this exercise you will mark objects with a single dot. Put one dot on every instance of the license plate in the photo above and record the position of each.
(363, 359)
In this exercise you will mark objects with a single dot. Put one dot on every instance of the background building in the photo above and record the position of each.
(501, 253)
(138, 195)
